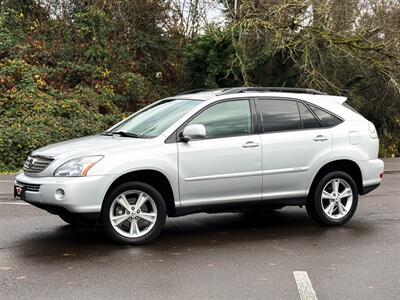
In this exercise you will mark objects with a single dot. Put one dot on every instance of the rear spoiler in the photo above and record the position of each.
(337, 99)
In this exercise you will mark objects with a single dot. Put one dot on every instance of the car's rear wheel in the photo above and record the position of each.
(334, 199)
(133, 213)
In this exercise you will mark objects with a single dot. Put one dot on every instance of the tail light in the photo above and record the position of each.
(372, 130)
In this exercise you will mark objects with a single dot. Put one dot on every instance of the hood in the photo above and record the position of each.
(91, 145)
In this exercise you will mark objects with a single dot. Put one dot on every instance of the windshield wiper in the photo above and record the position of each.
(126, 134)
(106, 133)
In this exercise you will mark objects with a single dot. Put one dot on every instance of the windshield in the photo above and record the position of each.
(153, 121)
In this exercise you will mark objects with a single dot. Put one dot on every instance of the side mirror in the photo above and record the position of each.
(193, 132)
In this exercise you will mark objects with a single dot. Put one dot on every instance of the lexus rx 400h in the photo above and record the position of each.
(210, 151)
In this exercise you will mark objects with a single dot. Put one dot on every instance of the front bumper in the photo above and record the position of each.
(82, 194)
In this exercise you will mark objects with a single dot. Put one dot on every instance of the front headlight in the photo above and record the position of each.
(78, 166)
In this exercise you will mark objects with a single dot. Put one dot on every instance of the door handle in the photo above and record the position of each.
(250, 144)
(320, 138)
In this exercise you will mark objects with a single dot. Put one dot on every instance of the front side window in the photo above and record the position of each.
(279, 115)
(230, 118)
(155, 120)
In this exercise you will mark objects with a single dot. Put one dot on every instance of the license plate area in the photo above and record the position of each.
(19, 192)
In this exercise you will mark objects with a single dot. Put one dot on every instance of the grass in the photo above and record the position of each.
(8, 172)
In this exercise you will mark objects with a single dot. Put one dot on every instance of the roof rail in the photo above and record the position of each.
(271, 89)
(192, 91)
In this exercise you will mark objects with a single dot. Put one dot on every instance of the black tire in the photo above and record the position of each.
(314, 203)
(311, 210)
(75, 220)
(160, 219)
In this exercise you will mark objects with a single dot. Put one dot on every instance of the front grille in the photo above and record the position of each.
(29, 186)
(37, 163)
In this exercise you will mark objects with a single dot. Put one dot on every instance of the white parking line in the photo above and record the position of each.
(6, 181)
(13, 203)
(304, 286)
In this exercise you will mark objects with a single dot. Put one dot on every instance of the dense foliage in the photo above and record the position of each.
(73, 68)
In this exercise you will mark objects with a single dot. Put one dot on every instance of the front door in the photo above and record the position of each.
(225, 166)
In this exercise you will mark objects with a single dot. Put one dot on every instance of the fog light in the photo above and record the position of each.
(60, 194)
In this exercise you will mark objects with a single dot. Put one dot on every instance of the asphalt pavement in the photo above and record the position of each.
(207, 256)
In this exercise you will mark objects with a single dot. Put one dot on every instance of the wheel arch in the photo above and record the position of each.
(154, 178)
(345, 165)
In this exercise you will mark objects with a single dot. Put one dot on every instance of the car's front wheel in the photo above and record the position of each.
(133, 213)
(334, 199)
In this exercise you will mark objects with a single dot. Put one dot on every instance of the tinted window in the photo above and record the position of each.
(279, 115)
(326, 118)
(308, 119)
(226, 119)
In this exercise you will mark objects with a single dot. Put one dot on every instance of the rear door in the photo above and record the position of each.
(294, 144)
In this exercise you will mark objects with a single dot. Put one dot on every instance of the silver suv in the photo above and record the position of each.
(229, 149)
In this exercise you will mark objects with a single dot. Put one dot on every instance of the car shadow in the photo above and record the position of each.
(238, 228)
(194, 232)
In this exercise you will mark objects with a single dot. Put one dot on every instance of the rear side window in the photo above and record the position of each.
(327, 119)
(308, 119)
(278, 115)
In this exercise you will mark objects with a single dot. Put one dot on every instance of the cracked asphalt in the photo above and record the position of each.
(202, 256)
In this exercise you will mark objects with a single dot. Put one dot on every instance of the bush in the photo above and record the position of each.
(389, 145)
(30, 120)
(11, 33)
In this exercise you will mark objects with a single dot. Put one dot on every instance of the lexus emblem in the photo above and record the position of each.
(30, 162)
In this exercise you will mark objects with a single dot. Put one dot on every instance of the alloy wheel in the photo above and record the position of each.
(337, 198)
(133, 213)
